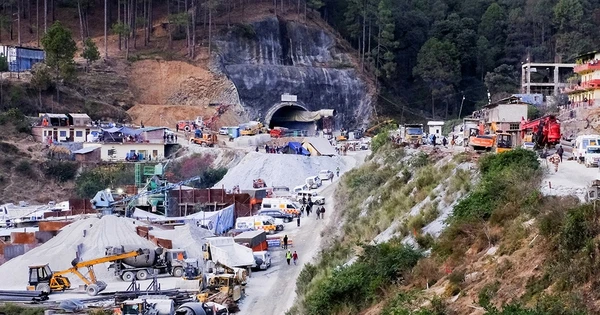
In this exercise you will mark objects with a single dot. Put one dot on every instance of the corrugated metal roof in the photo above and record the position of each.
(85, 150)
(79, 115)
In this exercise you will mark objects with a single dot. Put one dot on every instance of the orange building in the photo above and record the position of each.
(584, 89)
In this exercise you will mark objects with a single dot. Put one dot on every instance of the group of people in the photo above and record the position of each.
(273, 149)
(170, 137)
(307, 205)
(288, 254)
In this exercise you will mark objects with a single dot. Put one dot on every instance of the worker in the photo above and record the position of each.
(433, 139)
(337, 170)
(285, 242)
(288, 256)
(180, 256)
(560, 152)
(445, 142)
(318, 212)
(295, 256)
(322, 212)
(554, 159)
(298, 220)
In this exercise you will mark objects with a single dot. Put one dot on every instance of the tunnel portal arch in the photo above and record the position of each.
(279, 110)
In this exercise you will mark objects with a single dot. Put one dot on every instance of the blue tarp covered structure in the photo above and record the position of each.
(297, 148)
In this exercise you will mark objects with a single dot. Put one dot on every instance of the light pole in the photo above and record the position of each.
(461, 105)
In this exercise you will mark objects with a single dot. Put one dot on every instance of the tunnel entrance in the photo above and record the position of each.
(286, 115)
(298, 119)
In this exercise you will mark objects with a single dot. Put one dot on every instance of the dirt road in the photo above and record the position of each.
(273, 291)
(572, 178)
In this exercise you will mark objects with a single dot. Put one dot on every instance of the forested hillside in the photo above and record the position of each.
(436, 51)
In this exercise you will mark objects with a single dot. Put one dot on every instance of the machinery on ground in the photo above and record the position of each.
(41, 277)
(189, 125)
(497, 142)
(252, 128)
(468, 125)
(373, 130)
(163, 261)
(412, 134)
(542, 131)
(207, 139)
(259, 183)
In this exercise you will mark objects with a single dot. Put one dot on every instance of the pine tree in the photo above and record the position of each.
(60, 50)
(90, 52)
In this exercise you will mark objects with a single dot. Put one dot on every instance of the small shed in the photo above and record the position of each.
(435, 128)
(53, 120)
(87, 154)
(257, 240)
(79, 120)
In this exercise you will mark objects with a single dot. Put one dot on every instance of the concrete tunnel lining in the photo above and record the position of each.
(277, 107)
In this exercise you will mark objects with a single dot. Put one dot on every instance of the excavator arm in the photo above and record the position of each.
(89, 264)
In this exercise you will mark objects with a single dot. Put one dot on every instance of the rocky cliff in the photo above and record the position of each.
(271, 57)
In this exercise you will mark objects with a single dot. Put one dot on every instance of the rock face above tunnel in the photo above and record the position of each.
(273, 57)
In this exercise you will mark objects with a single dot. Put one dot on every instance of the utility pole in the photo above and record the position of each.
(432, 107)
(461, 105)
(105, 29)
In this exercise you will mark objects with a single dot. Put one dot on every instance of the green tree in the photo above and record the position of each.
(3, 63)
(41, 79)
(438, 66)
(123, 30)
(502, 81)
(568, 15)
(385, 64)
(60, 50)
(90, 52)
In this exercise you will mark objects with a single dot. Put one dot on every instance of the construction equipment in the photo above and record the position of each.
(542, 131)
(373, 130)
(41, 277)
(189, 125)
(503, 142)
(259, 183)
(252, 128)
(278, 132)
(497, 142)
(412, 134)
(208, 139)
(162, 261)
(146, 307)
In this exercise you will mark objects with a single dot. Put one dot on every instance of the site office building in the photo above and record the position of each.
(63, 128)
(116, 148)
(584, 88)
(504, 115)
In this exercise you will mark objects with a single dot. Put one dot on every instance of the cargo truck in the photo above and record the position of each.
(159, 261)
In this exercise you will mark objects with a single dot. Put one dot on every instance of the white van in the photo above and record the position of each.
(313, 182)
(592, 155)
(299, 188)
(316, 199)
(286, 205)
(581, 143)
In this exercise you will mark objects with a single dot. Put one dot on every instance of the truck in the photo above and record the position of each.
(189, 125)
(413, 134)
(159, 260)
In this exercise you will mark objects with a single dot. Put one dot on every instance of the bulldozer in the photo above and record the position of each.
(42, 278)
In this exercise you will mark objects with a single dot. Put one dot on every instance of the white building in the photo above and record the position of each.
(119, 151)
(435, 128)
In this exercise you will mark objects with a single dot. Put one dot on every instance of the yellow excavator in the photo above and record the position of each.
(42, 278)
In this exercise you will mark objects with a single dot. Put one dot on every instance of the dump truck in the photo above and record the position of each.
(412, 134)
(159, 260)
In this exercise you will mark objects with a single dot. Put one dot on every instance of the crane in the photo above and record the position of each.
(41, 277)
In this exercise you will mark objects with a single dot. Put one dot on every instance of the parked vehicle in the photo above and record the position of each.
(277, 214)
(262, 260)
(283, 204)
(592, 155)
(528, 145)
(299, 188)
(257, 222)
(316, 199)
(171, 261)
(224, 131)
(207, 140)
(326, 175)
(581, 144)
(313, 182)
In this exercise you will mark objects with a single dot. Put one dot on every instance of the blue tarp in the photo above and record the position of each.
(533, 99)
(131, 132)
(297, 147)
(112, 130)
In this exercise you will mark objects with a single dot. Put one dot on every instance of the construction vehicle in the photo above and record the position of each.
(251, 128)
(41, 277)
(373, 130)
(146, 307)
(412, 134)
(208, 139)
(503, 142)
(203, 308)
(497, 142)
(162, 261)
(278, 132)
(189, 125)
(542, 131)
(259, 183)
(468, 125)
